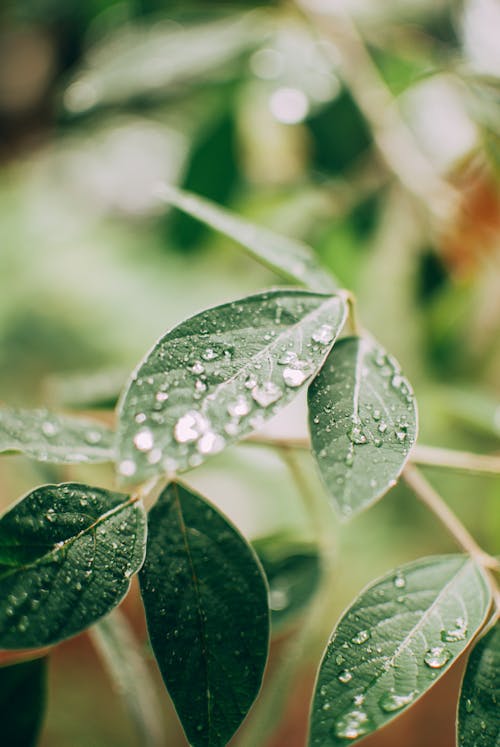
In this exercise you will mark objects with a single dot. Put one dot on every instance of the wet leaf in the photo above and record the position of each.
(67, 554)
(50, 437)
(22, 702)
(397, 638)
(220, 375)
(289, 258)
(363, 423)
(478, 710)
(206, 607)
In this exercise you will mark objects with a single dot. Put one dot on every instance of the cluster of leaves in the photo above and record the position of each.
(68, 551)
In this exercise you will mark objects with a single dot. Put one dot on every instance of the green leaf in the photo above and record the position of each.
(22, 702)
(67, 553)
(478, 710)
(393, 643)
(49, 437)
(289, 258)
(363, 423)
(220, 375)
(293, 572)
(206, 607)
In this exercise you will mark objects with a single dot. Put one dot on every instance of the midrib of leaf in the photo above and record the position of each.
(201, 623)
(277, 340)
(64, 544)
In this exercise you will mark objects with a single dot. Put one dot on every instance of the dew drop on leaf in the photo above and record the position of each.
(345, 676)
(266, 394)
(143, 440)
(353, 725)
(392, 701)
(324, 334)
(436, 657)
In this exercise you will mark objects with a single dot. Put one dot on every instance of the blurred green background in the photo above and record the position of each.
(278, 111)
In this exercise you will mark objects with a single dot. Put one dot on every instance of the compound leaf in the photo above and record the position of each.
(393, 643)
(289, 258)
(478, 711)
(67, 553)
(22, 701)
(220, 375)
(49, 437)
(206, 607)
(363, 423)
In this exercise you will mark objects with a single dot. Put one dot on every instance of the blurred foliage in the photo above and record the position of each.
(248, 104)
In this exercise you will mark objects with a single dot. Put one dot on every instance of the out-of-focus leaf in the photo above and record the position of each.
(67, 554)
(473, 408)
(50, 437)
(220, 375)
(478, 709)
(398, 637)
(363, 423)
(206, 606)
(22, 702)
(289, 258)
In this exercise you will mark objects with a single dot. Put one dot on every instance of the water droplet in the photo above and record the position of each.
(278, 599)
(49, 429)
(376, 415)
(468, 705)
(240, 407)
(190, 427)
(326, 706)
(127, 468)
(209, 354)
(198, 368)
(200, 386)
(323, 690)
(93, 437)
(400, 436)
(353, 725)
(382, 427)
(154, 456)
(294, 377)
(266, 394)
(324, 334)
(339, 659)
(143, 440)
(436, 657)
(51, 515)
(399, 581)
(458, 633)
(288, 357)
(361, 637)
(161, 396)
(140, 417)
(356, 435)
(345, 676)
(392, 701)
(359, 699)
(210, 443)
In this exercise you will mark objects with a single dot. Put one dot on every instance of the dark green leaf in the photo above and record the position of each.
(220, 375)
(363, 422)
(293, 571)
(22, 702)
(393, 643)
(206, 607)
(67, 553)
(478, 710)
(49, 437)
(289, 258)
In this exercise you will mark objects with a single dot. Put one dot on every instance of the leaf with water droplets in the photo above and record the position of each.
(50, 437)
(206, 607)
(479, 704)
(289, 258)
(22, 702)
(363, 423)
(67, 554)
(387, 649)
(220, 375)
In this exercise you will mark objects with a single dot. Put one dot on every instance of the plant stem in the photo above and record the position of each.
(431, 498)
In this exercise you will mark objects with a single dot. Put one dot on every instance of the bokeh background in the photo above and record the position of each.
(370, 130)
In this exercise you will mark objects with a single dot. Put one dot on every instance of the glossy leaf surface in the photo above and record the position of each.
(289, 258)
(363, 423)
(67, 554)
(22, 702)
(206, 607)
(393, 643)
(220, 375)
(49, 437)
(478, 710)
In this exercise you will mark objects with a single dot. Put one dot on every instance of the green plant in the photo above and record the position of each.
(68, 551)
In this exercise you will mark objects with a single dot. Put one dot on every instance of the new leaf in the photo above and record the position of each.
(206, 607)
